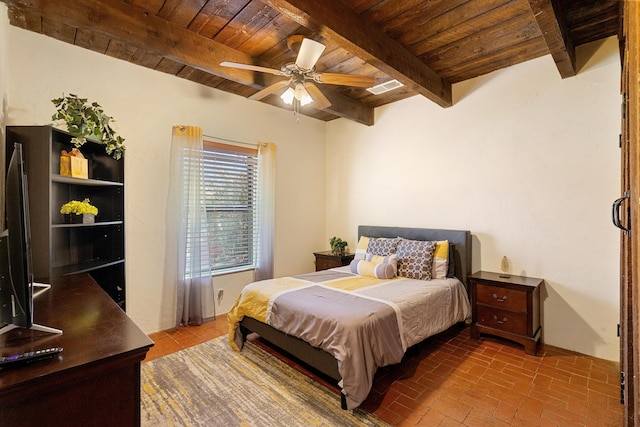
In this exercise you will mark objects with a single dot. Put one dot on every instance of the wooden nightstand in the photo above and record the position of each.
(326, 260)
(507, 307)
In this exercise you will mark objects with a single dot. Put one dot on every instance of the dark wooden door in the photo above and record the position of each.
(626, 214)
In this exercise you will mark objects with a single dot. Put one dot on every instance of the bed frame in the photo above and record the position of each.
(323, 361)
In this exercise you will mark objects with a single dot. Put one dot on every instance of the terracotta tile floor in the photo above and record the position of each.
(454, 380)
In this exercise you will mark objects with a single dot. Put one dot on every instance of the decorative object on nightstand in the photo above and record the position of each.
(507, 307)
(337, 245)
(327, 259)
(504, 267)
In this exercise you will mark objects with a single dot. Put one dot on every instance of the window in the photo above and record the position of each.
(231, 183)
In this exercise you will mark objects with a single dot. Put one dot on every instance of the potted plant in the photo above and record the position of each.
(86, 120)
(84, 208)
(337, 245)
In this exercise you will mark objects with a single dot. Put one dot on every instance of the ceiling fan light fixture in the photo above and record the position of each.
(288, 95)
(299, 89)
(296, 93)
(306, 100)
(300, 92)
(310, 51)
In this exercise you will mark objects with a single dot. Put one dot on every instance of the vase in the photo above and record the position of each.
(72, 219)
(88, 218)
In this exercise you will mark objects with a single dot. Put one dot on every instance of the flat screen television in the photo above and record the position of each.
(16, 272)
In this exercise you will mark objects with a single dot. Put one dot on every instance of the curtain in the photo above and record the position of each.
(188, 235)
(266, 210)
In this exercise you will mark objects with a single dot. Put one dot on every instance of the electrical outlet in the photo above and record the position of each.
(220, 295)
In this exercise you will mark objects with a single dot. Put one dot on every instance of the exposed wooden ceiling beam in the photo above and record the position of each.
(133, 25)
(550, 19)
(342, 25)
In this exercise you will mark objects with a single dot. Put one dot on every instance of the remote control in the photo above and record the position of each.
(31, 356)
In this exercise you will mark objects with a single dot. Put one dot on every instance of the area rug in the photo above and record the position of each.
(212, 385)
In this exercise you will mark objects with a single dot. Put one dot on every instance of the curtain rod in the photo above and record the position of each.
(248, 144)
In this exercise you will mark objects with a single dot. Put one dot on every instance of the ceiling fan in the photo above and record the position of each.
(302, 76)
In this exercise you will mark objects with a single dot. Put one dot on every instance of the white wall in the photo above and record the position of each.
(525, 160)
(146, 104)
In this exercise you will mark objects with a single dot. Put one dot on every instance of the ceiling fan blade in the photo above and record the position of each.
(321, 102)
(345, 79)
(310, 51)
(252, 68)
(269, 90)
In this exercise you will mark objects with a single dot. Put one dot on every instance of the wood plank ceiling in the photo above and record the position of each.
(427, 45)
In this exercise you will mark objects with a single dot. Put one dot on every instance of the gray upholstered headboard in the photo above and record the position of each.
(461, 240)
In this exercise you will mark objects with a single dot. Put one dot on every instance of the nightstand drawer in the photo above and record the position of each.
(327, 260)
(507, 299)
(326, 263)
(502, 319)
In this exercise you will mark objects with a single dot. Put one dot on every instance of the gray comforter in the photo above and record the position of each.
(361, 333)
(363, 323)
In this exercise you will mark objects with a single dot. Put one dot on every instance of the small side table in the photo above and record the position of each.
(326, 260)
(507, 306)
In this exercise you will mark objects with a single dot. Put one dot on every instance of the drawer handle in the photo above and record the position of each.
(503, 299)
(504, 320)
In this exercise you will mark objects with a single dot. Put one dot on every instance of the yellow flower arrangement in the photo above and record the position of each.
(78, 208)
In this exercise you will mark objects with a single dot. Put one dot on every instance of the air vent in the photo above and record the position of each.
(385, 87)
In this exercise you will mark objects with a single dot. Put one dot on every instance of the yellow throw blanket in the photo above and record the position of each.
(254, 301)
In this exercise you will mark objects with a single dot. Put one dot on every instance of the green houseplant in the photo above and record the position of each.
(337, 245)
(88, 120)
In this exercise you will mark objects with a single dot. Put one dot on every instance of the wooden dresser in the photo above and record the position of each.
(507, 307)
(326, 260)
(95, 381)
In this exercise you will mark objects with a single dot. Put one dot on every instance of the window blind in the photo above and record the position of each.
(230, 188)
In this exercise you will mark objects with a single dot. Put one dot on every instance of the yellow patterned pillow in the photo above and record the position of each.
(361, 249)
(441, 260)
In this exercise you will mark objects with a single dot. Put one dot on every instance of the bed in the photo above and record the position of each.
(348, 322)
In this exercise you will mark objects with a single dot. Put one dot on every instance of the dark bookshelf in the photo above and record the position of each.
(59, 248)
